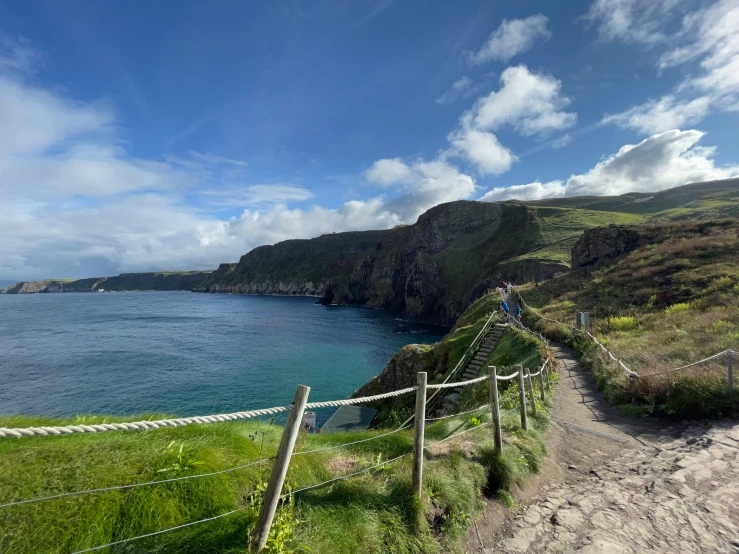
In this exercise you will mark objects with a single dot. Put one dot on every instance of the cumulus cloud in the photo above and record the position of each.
(389, 172)
(532, 103)
(708, 37)
(511, 38)
(482, 149)
(531, 191)
(662, 161)
(74, 202)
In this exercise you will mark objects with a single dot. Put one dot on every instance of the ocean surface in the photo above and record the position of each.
(185, 353)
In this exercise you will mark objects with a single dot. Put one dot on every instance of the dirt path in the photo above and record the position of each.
(614, 484)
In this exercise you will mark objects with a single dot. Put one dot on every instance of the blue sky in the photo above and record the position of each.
(143, 136)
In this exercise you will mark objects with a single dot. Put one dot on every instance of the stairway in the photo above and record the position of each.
(475, 364)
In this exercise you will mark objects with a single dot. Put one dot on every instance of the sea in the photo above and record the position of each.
(185, 354)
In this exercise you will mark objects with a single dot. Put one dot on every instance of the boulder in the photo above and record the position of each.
(603, 243)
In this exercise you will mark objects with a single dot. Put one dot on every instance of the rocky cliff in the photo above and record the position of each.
(164, 280)
(603, 243)
(431, 270)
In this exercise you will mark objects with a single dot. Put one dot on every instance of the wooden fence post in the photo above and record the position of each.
(586, 321)
(417, 474)
(494, 403)
(522, 399)
(578, 320)
(541, 384)
(546, 369)
(279, 468)
(731, 370)
(532, 398)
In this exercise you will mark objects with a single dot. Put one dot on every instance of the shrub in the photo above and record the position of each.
(622, 323)
(677, 308)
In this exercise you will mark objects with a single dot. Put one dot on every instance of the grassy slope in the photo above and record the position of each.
(670, 303)
(372, 513)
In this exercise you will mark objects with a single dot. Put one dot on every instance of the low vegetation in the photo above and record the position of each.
(669, 303)
(373, 512)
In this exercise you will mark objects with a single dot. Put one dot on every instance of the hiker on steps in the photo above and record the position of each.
(504, 306)
(518, 313)
(509, 288)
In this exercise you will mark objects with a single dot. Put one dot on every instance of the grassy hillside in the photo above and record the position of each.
(155, 280)
(374, 512)
(455, 252)
(673, 301)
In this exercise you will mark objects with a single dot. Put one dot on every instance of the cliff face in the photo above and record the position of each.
(430, 270)
(184, 280)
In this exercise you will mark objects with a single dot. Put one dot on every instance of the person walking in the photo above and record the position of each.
(509, 288)
(518, 313)
(504, 306)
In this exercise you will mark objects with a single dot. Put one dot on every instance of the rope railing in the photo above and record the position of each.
(281, 462)
(623, 366)
(460, 413)
(132, 486)
(633, 374)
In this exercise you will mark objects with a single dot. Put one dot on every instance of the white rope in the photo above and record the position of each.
(6, 432)
(123, 487)
(136, 425)
(459, 414)
(349, 401)
(689, 365)
(623, 365)
(291, 493)
(348, 443)
(458, 384)
(534, 374)
(458, 434)
(158, 532)
(516, 407)
(506, 377)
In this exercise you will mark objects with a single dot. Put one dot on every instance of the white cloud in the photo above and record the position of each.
(662, 161)
(708, 38)
(424, 184)
(632, 21)
(482, 149)
(529, 102)
(561, 142)
(73, 202)
(532, 191)
(511, 38)
(660, 115)
(387, 172)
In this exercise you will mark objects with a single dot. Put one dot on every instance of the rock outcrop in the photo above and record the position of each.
(603, 243)
(400, 372)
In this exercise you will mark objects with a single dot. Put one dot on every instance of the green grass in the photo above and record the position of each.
(671, 302)
(374, 512)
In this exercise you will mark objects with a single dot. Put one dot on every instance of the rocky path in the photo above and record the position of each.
(622, 485)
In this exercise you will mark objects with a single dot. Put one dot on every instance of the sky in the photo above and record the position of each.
(141, 136)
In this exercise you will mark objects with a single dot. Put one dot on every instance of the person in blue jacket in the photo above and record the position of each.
(518, 312)
(504, 306)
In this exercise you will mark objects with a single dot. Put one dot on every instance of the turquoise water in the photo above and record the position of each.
(185, 353)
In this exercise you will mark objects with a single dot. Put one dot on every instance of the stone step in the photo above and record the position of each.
(453, 397)
(481, 357)
(459, 390)
(471, 375)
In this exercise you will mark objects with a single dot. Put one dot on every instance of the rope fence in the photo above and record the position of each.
(631, 373)
(281, 462)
